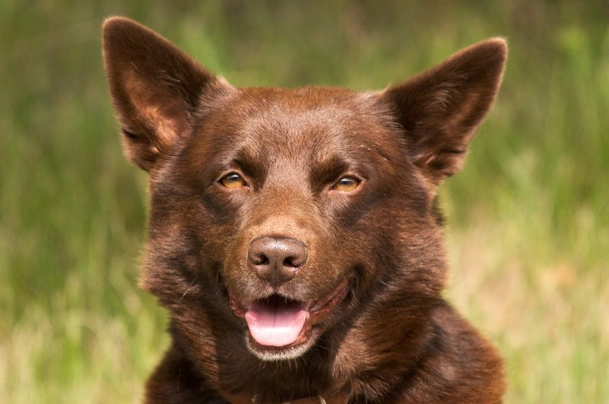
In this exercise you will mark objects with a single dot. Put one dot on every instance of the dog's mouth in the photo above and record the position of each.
(277, 322)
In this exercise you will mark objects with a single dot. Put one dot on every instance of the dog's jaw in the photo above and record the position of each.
(278, 354)
(279, 328)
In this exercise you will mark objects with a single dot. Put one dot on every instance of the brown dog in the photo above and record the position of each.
(293, 235)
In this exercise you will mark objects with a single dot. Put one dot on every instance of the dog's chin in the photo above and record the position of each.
(281, 328)
(271, 354)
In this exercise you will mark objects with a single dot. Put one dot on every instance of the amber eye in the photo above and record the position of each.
(232, 181)
(346, 184)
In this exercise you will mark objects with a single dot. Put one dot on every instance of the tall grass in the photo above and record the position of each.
(528, 217)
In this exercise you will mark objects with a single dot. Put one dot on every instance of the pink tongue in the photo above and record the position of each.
(275, 324)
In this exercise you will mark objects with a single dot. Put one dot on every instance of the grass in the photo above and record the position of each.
(528, 231)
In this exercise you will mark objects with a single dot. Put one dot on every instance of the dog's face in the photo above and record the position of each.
(278, 216)
(291, 191)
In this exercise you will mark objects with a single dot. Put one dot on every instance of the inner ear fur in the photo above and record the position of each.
(440, 109)
(155, 89)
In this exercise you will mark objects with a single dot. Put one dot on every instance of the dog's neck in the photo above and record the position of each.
(337, 399)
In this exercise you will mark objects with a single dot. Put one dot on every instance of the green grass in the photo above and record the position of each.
(528, 231)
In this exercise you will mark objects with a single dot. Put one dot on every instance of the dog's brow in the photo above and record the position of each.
(247, 161)
(328, 170)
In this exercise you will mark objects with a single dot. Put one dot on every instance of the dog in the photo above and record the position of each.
(294, 236)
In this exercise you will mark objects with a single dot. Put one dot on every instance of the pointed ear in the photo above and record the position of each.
(441, 108)
(155, 89)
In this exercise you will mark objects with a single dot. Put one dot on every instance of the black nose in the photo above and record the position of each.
(276, 259)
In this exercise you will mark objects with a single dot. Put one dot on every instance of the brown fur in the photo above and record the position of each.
(388, 336)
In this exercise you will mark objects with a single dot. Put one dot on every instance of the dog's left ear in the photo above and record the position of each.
(441, 108)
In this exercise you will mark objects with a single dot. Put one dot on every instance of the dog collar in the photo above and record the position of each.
(310, 400)
(314, 400)
(340, 399)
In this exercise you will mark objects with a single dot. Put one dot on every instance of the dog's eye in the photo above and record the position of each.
(346, 184)
(233, 181)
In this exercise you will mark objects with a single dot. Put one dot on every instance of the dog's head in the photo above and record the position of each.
(278, 214)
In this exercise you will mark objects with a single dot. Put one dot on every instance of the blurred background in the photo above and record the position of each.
(528, 228)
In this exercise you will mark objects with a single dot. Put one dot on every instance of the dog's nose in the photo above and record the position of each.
(276, 259)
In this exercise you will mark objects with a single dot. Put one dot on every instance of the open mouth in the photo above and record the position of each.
(277, 322)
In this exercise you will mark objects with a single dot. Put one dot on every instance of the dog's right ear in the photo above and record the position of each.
(155, 87)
